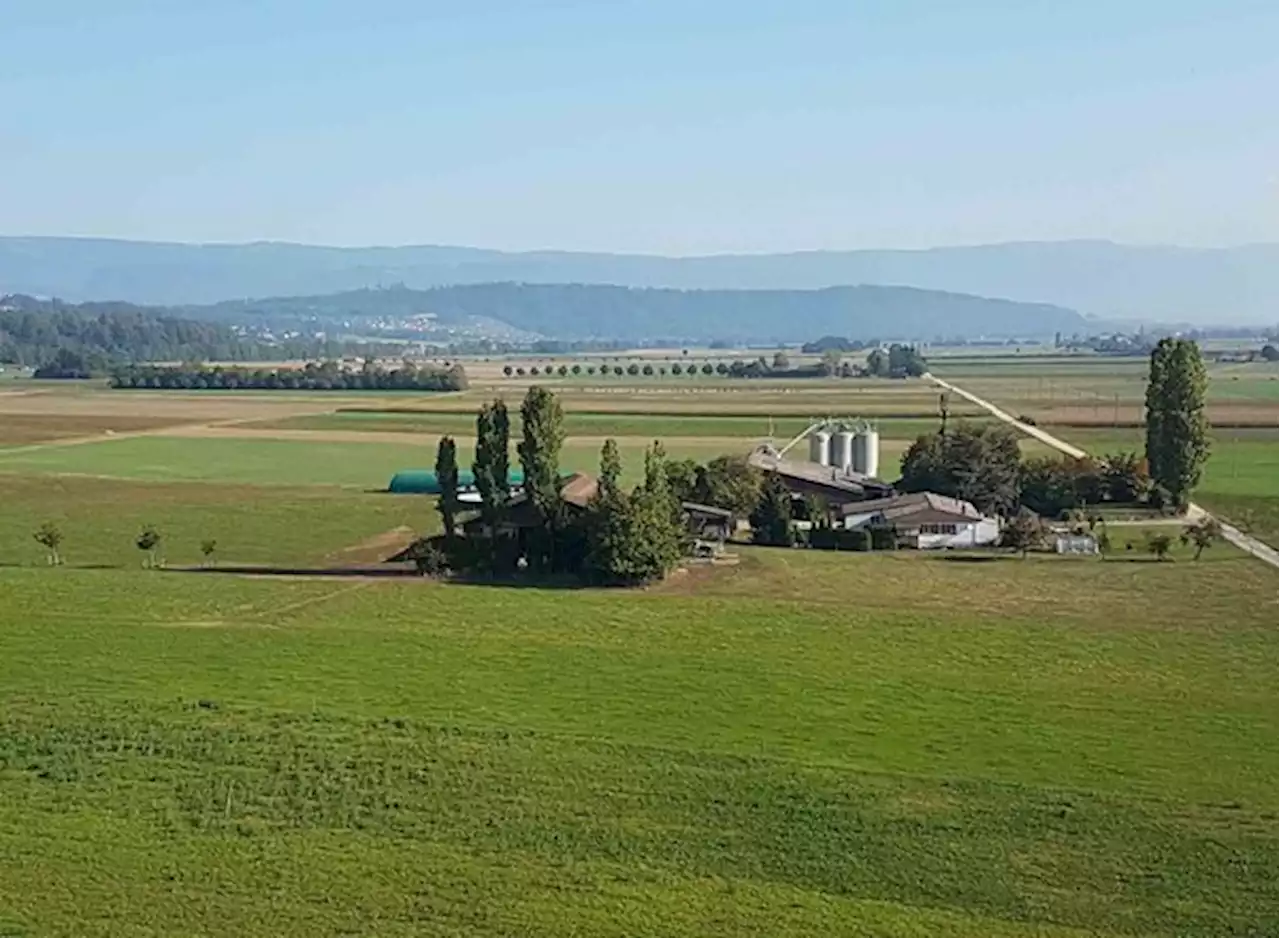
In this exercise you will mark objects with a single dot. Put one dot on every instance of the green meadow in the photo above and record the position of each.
(812, 744)
(806, 743)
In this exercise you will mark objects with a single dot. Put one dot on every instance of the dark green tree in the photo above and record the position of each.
(729, 482)
(980, 463)
(635, 538)
(682, 477)
(610, 470)
(491, 467)
(542, 421)
(447, 476)
(771, 519)
(1177, 430)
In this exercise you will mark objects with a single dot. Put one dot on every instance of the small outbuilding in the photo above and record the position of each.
(1075, 544)
(708, 523)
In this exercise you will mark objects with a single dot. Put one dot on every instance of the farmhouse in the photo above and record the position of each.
(576, 492)
(925, 520)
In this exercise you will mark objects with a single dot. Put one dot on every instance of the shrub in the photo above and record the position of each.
(429, 559)
(882, 537)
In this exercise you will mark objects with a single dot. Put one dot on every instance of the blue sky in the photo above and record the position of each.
(690, 127)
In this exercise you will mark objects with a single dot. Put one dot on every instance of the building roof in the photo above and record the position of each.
(576, 490)
(708, 511)
(937, 507)
(812, 473)
(579, 489)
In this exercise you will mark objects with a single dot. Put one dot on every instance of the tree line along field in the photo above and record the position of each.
(807, 743)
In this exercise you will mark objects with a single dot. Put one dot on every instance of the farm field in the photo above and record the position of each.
(807, 743)
(810, 743)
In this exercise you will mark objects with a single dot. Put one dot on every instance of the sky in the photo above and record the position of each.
(700, 126)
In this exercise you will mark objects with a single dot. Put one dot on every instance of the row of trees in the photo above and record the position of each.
(326, 376)
(149, 540)
(983, 464)
(622, 538)
(897, 361)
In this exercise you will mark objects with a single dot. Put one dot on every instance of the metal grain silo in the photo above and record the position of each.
(842, 450)
(820, 448)
(866, 451)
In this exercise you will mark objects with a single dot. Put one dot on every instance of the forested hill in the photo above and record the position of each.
(33, 332)
(579, 311)
(1234, 285)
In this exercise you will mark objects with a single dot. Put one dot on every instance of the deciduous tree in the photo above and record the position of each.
(49, 536)
(447, 476)
(729, 482)
(148, 541)
(491, 467)
(1023, 532)
(771, 519)
(542, 421)
(978, 463)
(1204, 533)
(1177, 431)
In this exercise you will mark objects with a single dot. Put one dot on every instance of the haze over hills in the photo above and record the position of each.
(1235, 285)
(596, 311)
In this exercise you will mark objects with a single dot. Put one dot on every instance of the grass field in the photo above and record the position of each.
(815, 744)
(804, 744)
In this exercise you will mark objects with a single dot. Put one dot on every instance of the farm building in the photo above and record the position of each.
(925, 520)
(576, 491)
(708, 523)
(835, 486)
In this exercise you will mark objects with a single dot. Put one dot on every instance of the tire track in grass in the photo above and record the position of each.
(294, 606)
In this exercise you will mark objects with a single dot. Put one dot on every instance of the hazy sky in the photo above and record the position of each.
(673, 127)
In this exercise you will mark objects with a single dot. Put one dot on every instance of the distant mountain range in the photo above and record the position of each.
(594, 311)
(1218, 286)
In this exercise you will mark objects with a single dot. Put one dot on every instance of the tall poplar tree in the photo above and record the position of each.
(1177, 430)
(447, 476)
(492, 463)
(542, 421)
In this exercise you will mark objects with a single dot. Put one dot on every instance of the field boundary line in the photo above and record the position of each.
(1233, 536)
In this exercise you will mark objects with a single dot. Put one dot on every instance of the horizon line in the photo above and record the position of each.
(794, 252)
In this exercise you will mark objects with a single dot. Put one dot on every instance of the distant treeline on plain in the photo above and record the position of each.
(82, 340)
(327, 376)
